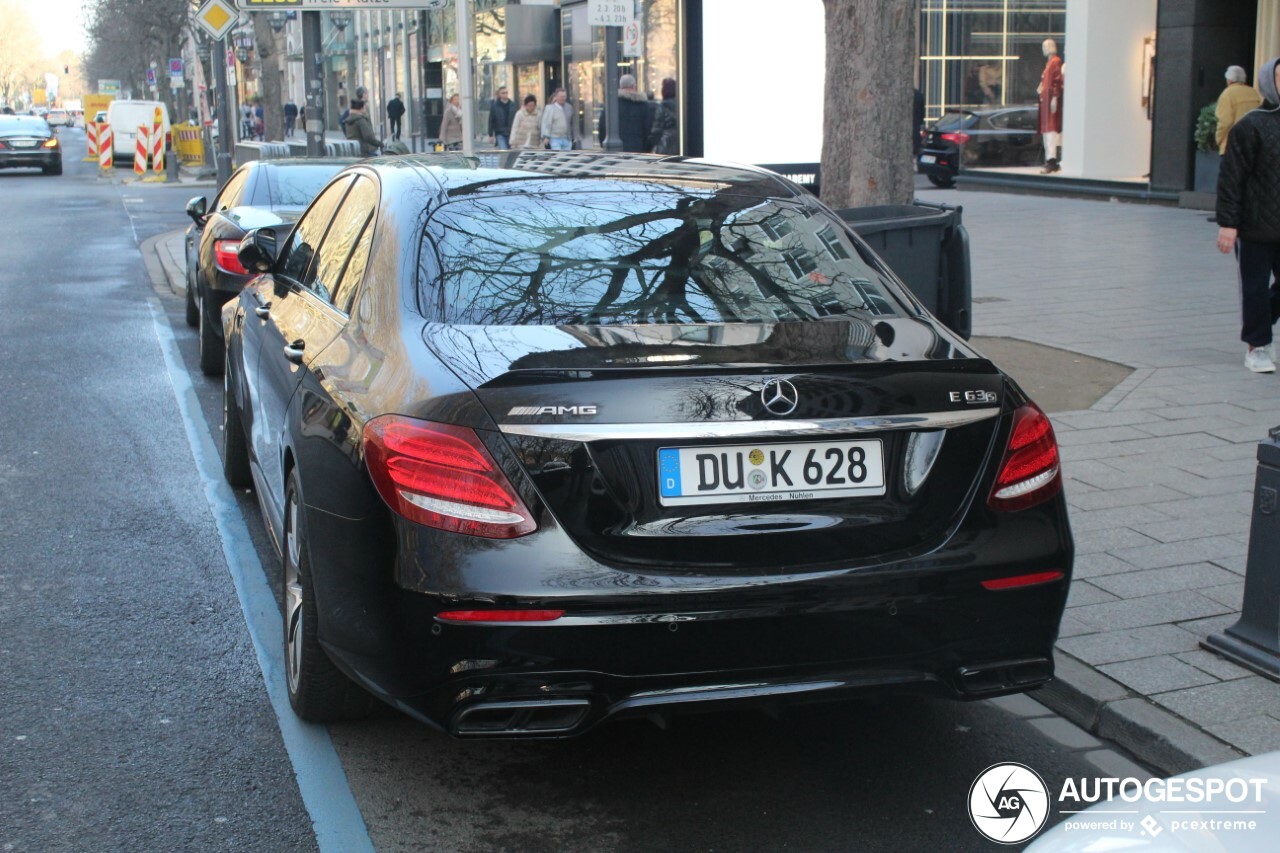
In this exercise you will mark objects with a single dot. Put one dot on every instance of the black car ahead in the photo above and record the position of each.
(603, 435)
(970, 139)
(29, 142)
(260, 194)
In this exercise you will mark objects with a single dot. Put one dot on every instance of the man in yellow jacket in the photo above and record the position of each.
(1236, 100)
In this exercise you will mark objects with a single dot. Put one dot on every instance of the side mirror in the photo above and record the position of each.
(257, 251)
(196, 209)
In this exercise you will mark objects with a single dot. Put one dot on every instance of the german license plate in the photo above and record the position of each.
(928, 158)
(24, 143)
(759, 473)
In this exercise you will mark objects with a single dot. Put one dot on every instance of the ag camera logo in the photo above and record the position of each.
(1008, 803)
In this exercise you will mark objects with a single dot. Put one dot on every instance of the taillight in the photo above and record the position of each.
(500, 615)
(1019, 581)
(957, 138)
(1029, 472)
(227, 255)
(443, 476)
(52, 142)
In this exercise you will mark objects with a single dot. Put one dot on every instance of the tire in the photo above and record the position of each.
(235, 449)
(945, 183)
(52, 170)
(212, 348)
(193, 310)
(318, 691)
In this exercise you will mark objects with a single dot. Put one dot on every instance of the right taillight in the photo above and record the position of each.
(226, 253)
(1029, 472)
(443, 476)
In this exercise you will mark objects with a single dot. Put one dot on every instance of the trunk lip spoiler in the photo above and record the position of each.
(748, 429)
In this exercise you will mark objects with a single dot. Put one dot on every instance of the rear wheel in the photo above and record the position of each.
(945, 182)
(318, 691)
(55, 169)
(212, 348)
(235, 450)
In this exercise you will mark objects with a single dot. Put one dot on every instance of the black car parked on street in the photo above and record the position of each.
(590, 436)
(971, 139)
(260, 194)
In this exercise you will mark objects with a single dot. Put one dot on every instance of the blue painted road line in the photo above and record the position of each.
(335, 816)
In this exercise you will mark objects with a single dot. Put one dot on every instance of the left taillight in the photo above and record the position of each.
(443, 476)
(1029, 473)
(227, 255)
(959, 138)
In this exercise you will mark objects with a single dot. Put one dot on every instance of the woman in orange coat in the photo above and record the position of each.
(1050, 93)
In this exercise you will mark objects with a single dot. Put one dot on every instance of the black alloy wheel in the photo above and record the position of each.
(318, 691)
(235, 449)
(942, 182)
(55, 169)
(212, 347)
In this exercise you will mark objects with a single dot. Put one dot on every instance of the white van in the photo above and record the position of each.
(125, 117)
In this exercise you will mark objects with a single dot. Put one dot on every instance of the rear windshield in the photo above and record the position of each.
(955, 121)
(629, 252)
(296, 186)
(33, 126)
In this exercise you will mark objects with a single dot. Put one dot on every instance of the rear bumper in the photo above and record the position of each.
(945, 163)
(35, 158)
(923, 626)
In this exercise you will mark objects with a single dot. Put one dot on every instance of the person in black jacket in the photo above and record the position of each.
(634, 117)
(665, 134)
(395, 111)
(1248, 214)
(502, 112)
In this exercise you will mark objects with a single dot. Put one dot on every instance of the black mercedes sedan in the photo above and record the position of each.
(976, 139)
(29, 142)
(595, 435)
(260, 194)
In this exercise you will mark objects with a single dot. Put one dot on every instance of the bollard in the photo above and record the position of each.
(1254, 641)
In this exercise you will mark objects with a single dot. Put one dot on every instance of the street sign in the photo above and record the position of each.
(610, 13)
(109, 87)
(151, 78)
(265, 5)
(632, 39)
(217, 17)
(175, 68)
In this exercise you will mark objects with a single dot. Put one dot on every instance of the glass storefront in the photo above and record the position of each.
(985, 53)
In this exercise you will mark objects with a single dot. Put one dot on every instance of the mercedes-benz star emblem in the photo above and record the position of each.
(779, 396)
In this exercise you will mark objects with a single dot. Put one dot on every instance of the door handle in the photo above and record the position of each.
(263, 310)
(293, 351)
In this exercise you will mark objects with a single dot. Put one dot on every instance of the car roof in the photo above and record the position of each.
(454, 172)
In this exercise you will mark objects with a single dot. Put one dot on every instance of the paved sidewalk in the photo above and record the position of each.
(1159, 471)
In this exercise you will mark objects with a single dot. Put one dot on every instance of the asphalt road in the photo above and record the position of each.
(133, 714)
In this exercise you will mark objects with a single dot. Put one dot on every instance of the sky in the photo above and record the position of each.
(59, 23)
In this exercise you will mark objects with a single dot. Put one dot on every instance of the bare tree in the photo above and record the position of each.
(267, 45)
(866, 139)
(19, 61)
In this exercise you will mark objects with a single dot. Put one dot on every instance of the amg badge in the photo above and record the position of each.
(530, 411)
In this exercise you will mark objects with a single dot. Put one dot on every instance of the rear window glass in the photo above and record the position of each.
(33, 126)
(632, 253)
(296, 186)
(955, 121)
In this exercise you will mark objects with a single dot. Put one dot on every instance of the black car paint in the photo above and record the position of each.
(36, 131)
(989, 145)
(680, 619)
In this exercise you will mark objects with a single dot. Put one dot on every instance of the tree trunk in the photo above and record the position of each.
(866, 139)
(268, 48)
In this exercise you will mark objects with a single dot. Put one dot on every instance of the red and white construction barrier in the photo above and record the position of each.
(106, 146)
(140, 150)
(91, 141)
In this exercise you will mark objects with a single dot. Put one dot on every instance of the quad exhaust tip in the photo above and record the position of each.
(533, 717)
(1004, 676)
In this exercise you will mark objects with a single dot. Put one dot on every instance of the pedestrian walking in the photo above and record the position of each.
(395, 111)
(1248, 214)
(259, 122)
(360, 128)
(451, 124)
(290, 117)
(246, 121)
(634, 120)
(502, 113)
(526, 128)
(665, 133)
(1236, 100)
(557, 122)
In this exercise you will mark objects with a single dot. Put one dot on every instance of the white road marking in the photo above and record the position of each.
(335, 816)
